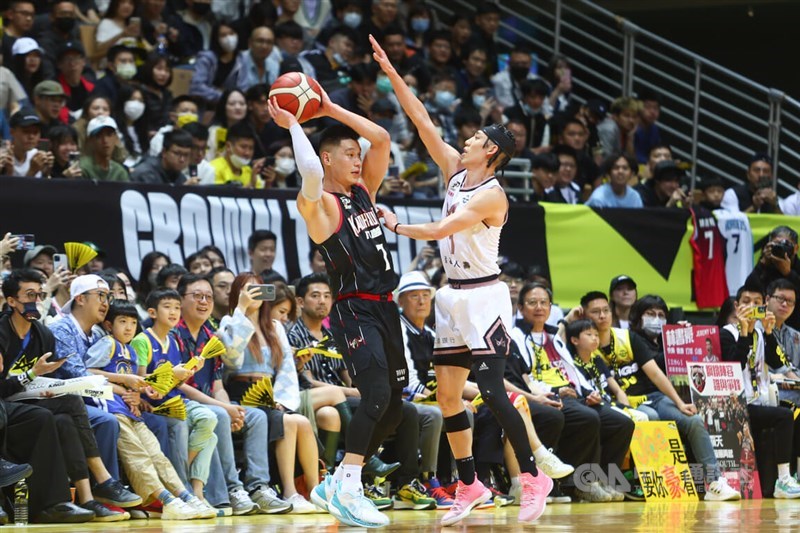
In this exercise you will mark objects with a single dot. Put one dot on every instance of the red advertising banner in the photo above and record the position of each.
(688, 344)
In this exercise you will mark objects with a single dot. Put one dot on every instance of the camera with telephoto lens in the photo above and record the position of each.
(783, 248)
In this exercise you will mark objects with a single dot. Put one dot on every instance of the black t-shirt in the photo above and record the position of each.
(627, 367)
(223, 70)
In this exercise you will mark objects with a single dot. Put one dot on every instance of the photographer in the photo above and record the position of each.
(757, 195)
(778, 261)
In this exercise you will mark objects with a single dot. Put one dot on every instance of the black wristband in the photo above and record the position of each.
(395, 228)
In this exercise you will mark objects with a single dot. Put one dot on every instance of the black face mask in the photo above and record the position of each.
(518, 73)
(64, 24)
(30, 312)
(201, 9)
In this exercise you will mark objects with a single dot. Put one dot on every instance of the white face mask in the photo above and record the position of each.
(653, 325)
(238, 161)
(229, 42)
(134, 109)
(285, 165)
(126, 71)
(352, 19)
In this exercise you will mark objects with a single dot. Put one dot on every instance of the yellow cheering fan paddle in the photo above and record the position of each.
(173, 408)
(213, 348)
(325, 347)
(259, 394)
(162, 380)
(78, 254)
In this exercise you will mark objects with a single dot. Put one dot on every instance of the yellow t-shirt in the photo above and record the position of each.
(223, 173)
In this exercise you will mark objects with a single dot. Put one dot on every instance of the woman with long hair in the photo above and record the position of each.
(129, 113)
(152, 263)
(156, 77)
(267, 353)
(231, 108)
(213, 66)
(27, 64)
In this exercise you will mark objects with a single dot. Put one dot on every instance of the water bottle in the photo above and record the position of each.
(21, 503)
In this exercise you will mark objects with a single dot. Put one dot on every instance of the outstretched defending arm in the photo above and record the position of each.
(446, 157)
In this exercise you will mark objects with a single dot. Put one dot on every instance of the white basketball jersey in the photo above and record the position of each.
(471, 253)
(735, 228)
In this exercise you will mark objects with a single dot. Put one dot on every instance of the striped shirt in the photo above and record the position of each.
(325, 369)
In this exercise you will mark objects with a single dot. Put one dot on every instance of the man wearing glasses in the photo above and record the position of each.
(167, 168)
(27, 342)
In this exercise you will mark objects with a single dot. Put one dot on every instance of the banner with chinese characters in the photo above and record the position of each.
(661, 462)
(684, 344)
(718, 393)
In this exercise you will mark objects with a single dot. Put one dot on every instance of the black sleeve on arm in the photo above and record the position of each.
(643, 353)
(733, 350)
(9, 386)
(771, 356)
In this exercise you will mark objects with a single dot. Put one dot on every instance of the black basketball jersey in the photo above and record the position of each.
(356, 256)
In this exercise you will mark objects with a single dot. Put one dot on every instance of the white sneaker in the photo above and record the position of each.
(202, 509)
(355, 509)
(268, 501)
(177, 509)
(241, 502)
(553, 467)
(720, 491)
(515, 491)
(786, 488)
(595, 494)
(616, 496)
(300, 505)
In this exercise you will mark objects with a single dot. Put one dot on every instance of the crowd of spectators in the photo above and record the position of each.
(580, 150)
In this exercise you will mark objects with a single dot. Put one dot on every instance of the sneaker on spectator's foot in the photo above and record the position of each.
(103, 513)
(557, 495)
(594, 494)
(413, 496)
(321, 494)
(112, 491)
(451, 489)
(241, 502)
(12, 473)
(616, 496)
(720, 491)
(534, 495)
(268, 502)
(499, 499)
(202, 507)
(553, 467)
(353, 508)
(786, 488)
(438, 493)
(300, 505)
(378, 498)
(223, 510)
(144, 512)
(178, 509)
(467, 498)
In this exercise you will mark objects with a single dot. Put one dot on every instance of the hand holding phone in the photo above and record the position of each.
(59, 261)
(266, 292)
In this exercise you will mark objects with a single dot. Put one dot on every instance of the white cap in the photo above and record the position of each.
(25, 45)
(99, 123)
(80, 285)
(414, 281)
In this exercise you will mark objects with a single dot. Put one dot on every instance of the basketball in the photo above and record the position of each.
(298, 94)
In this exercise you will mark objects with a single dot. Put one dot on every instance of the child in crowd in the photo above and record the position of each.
(147, 468)
(157, 346)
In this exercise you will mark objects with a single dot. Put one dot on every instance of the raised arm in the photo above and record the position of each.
(318, 210)
(489, 206)
(446, 157)
(376, 162)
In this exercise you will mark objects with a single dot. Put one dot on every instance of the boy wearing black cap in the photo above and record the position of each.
(757, 195)
(473, 313)
(24, 159)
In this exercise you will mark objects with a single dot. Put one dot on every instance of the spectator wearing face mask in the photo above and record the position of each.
(129, 113)
(121, 70)
(441, 105)
(185, 110)
(349, 14)
(282, 174)
(233, 166)
(213, 67)
(507, 83)
(330, 63)
(533, 110)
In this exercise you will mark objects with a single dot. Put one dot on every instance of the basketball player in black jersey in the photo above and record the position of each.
(343, 222)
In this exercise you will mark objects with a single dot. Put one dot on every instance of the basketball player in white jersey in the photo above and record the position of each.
(473, 313)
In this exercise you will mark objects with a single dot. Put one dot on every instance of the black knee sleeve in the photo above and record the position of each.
(455, 423)
(376, 397)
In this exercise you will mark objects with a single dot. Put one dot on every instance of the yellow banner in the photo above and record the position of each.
(661, 462)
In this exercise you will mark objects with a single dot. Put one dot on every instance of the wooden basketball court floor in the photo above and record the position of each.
(751, 515)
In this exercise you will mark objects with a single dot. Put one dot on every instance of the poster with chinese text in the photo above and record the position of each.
(661, 462)
(683, 344)
(718, 393)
